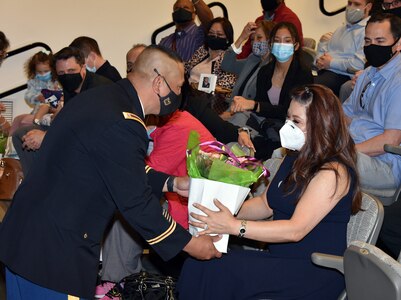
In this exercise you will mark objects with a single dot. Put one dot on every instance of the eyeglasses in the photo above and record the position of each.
(158, 74)
(389, 4)
(217, 34)
(362, 103)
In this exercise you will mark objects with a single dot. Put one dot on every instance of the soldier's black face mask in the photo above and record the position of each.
(170, 102)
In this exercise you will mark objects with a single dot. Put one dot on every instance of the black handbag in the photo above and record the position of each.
(147, 286)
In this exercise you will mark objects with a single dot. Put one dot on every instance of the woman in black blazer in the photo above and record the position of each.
(284, 72)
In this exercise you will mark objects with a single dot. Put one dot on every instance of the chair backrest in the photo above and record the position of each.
(310, 43)
(366, 224)
(370, 273)
(272, 165)
(307, 57)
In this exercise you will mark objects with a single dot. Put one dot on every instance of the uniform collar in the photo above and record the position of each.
(133, 95)
(388, 70)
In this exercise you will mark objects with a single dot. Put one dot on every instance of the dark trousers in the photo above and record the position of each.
(332, 80)
(390, 234)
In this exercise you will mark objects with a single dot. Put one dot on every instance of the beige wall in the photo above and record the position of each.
(118, 24)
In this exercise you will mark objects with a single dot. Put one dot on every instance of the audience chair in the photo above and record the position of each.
(363, 226)
(272, 165)
(307, 57)
(370, 273)
(387, 196)
(310, 43)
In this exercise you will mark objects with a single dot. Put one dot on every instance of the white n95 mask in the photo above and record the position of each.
(291, 136)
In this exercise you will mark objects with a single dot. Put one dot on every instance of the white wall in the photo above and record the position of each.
(117, 24)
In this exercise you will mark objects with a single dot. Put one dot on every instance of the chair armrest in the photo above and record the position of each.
(392, 149)
(328, 261)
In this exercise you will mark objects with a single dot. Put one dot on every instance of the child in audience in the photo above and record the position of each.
(41, 75)
(47, 111)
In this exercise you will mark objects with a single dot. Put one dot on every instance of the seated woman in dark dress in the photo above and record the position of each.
(310, 198)
(275, 80)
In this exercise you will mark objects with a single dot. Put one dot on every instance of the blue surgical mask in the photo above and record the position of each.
(44, 77)
(260, 49)
(283, 51)
(149, 131)
(91, 69)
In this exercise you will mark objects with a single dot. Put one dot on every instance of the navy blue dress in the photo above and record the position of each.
(283, 272)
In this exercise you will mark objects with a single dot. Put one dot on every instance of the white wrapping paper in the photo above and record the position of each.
(204, 191)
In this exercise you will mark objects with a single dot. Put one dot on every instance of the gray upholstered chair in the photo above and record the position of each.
(370, 273)
(310, 43)
(363, 226)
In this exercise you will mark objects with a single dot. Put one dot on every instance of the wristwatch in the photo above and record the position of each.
(170, 184)
(255, 106)
(242, 229)
(241, 129)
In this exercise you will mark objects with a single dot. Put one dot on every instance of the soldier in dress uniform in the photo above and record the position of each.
(91, 164)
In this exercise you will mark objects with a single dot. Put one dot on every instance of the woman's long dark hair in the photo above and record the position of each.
(327, 139)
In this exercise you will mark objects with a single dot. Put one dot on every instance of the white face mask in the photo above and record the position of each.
(291, 136)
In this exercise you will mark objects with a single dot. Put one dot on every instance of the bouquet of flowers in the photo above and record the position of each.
(217, 172)
(221, 164)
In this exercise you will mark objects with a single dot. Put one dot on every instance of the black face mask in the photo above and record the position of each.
(269, 5)
(70, 82)
(377, 55)
(169, 103)
(181, 16)
(216, 43)
(394, 11)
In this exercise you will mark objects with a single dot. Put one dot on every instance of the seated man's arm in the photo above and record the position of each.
(203, 11)
(374, 146)
(322, 46)
(352, 64)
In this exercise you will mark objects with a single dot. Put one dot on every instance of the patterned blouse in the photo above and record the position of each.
(224, 79)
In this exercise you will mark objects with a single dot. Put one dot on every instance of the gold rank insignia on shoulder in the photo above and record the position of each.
(132, 116)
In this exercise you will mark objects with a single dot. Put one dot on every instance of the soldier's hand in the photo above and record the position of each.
(202, 247)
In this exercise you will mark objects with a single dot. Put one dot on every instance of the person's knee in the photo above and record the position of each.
(374, 173)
